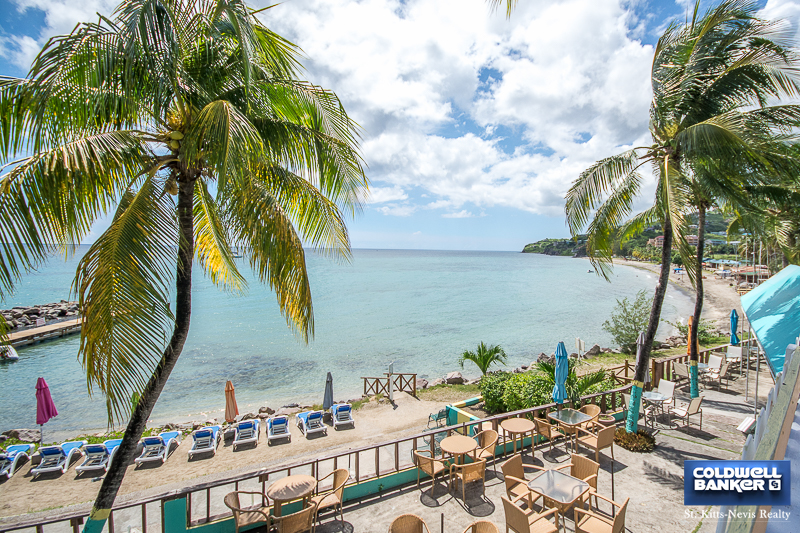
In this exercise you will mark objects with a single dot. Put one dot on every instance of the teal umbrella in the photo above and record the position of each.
(734, 322)
(562, 371)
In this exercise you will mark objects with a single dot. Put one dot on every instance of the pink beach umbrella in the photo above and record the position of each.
(45, 408)
(231, 409)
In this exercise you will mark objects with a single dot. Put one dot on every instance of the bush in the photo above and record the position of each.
(640, 441)
(492, 387)
(527, 390)
(705, 333)
(628, 319)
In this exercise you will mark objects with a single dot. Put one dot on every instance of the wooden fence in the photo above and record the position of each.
(402, 383)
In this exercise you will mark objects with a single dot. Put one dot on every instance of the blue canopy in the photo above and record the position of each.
(734, 323)
(773, 309)
(562, 371)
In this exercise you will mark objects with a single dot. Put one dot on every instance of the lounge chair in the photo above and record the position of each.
(310, 422)
(342, 415)
(438, 419)
(685, 411)
(247, 431)
(11, 456)
(205, 440)
(157, 448)
(57, 458)
(98, 456)
(278, 428)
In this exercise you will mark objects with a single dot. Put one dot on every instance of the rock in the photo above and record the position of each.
(593, 351)
(246, 416)
(287, 411)
(544, 358)
(31, 311)
(383, 400)
(574, 355)
(517, 370)
(16, 314)
(606, 350)
(212, 422)
(266, 410)
(422, 383)
(523, 367)
(292, 406)
(3, 438)
(437, 381)
(25, 435)
(170, 427)
(454, 378)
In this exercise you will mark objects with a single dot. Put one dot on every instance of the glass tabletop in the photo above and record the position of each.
(570, 417)
(558, 486)
(702, 366)
(653, 396)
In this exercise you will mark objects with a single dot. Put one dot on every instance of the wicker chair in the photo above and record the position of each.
(514, 477)
(468, 473)
(597, 441)
(408, 523)
(583, 468)
(593, 411)
(247, 516)
(595, 522)
(428, 465)
(333, 497)
(487, 442)
(298, 522)
(548, 431)
(527, 521)
(482, 526)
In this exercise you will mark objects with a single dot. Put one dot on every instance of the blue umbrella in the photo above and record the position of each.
(562, 370)
(734, 322)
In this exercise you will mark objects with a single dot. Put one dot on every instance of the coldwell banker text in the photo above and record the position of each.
(737, 483)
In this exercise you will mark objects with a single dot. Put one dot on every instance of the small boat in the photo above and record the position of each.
(590, 271)
(8, 353)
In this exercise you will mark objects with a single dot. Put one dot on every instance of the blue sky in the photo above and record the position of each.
(473, 125)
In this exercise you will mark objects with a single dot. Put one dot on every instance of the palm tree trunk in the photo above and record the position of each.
(632, 423)
(694, 390)
(183, 310)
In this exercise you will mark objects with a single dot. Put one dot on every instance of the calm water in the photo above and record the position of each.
(420, 309)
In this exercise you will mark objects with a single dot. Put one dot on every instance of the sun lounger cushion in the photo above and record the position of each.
(157, 448)
(278, 428)
(57, 458)
(11, 456)
(342, 414)
(98, 456)
(246, 432)
(205, 440)
(310, 422)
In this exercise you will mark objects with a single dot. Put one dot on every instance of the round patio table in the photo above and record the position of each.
(519, 426)
(290, 488)
(458, 446)
(657, 399)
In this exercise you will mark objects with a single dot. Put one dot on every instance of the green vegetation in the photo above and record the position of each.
(705, 333)
(567, 247)
(484, 357)
(449, 393)
(628, 319)
(640, 441)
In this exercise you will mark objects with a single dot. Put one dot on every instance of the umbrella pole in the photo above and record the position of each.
(41, 434)
(612, 476)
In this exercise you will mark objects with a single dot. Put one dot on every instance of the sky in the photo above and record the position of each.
(473, 125)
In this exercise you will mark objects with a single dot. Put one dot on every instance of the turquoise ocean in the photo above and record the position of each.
(418, 309)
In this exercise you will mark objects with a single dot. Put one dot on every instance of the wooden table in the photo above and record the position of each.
(458, 446)
(571, 419)
(290, 488)
(519, 426)
(561, 489)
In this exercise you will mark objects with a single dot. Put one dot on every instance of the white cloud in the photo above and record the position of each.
(461, 214)
(397, 210)
(379, 195)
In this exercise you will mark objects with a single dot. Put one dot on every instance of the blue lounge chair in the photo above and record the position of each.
(11, 456)
(247, 431)
(57, 458)
(278, 428)
(342, 415)
(157, 448)
(310, 422)
(205, 440)
(98, 456)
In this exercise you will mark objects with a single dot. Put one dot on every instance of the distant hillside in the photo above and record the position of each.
(568, 247)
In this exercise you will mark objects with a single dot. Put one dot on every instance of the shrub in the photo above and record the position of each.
(492, 387)
(628, 319)
(640, 441)
(705, 333)
(527, 390)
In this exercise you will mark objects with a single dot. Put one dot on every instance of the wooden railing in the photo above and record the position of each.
(402, 383)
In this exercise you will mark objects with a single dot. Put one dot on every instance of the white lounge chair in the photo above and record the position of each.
(57, 458)
(278, 428)
(157, 448)
(310, 422)
(247, 431)
(11, 456)
(98, 456)
(205, 440)
(342, 414)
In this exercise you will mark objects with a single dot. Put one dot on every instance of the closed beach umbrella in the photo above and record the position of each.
(231, 409)
(327, 400)
(562, 370)
(639, 352)
(45, 408)
(734, 323)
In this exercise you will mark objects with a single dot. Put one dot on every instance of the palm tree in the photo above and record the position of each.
(484, 357)
(575, 386)
(194, 100)
(711, 79)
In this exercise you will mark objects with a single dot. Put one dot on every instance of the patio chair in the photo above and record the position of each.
(583, 468)
(468, 473)
(514, 477)
(57, 458)
(247, 431)
(408, 523)
(644, 410)
(278, 428)
(205, 440)
(719, 375)
(296, 522)
(733, 354)
(714, 362)
(13, 455)
(681, 371)
(595, 522)
(593, 411)
(521, 520)
(98, 456)
(482, 526)
(667, 388)
(335, 495)
(687, 410)
(487, 442)
(158, 448)
(342, 415)
(310, 423)
(247, 516)
(428, 465)
(548, 431)
(437, 419)
(597, 441)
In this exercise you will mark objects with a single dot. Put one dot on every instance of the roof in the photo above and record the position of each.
(773, 309)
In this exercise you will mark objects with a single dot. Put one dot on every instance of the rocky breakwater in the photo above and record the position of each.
(21, 317)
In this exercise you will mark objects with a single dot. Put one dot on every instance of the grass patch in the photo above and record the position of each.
(640, 441)
(449, 393)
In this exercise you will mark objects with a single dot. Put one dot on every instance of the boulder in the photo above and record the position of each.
(246, 416)
(454, 378)
(292, 406)
(544, 358)
(437, 381)
(523, 367)
(574, 355)
(3, 438)
(287, 411)
(170, 427)
(25, 435)
(593, 351)
(422, 383)
(31, 311)
(266, 410)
